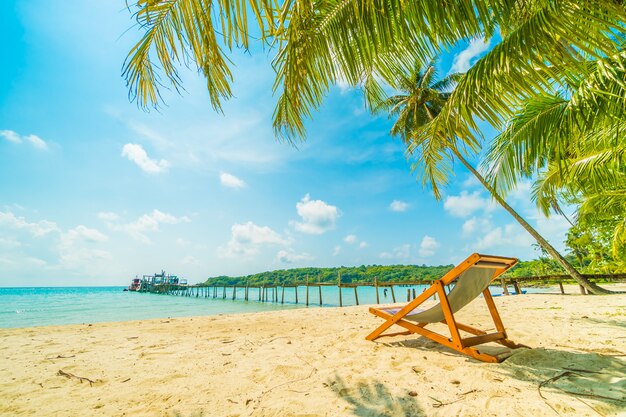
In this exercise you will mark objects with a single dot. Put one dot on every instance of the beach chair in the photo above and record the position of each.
(467, 281)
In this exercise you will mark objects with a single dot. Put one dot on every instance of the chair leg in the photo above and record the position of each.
(484, 357)
(379, 330)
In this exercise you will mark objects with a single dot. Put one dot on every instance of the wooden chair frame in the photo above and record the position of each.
(455, 341)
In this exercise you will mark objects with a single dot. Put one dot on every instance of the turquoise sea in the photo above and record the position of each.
(43, 306)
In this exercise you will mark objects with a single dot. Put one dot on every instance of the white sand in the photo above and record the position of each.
(315, 362)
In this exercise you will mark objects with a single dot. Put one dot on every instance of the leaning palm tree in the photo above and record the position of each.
(420, 101)
(573, 143)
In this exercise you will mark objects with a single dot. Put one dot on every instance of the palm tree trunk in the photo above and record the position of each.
(590, 286)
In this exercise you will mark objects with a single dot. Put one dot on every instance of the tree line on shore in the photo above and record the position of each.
(383, 273)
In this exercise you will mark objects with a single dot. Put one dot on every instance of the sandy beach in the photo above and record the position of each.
(316, 362)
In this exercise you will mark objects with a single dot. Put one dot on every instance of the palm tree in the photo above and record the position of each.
(421, 100)
(574, 142)
(366, 43)
(319, 43)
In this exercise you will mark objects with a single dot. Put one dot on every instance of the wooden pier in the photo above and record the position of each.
(275, 293)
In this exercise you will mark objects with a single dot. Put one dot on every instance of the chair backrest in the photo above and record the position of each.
(469, 284)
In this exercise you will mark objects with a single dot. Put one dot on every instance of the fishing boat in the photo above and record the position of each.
(135, 285)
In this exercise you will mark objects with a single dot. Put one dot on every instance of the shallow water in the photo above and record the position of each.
(42, 306)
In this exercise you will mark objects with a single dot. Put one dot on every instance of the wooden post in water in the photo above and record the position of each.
(376, 286)
(234, 291)
(356, 296)
(282, 297)
(393, 295)
(518, 290)
(224, 293)
(561, 287)
(414, 297)
(408, 295)
(319, 287)
(246, 294)
(339, 288)
(307, 290)
(295, 287)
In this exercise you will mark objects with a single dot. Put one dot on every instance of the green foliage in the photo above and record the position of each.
(393, 273)
(536, 268)
(573, 143)
(542, 266)
(591, 244)
(366, 43)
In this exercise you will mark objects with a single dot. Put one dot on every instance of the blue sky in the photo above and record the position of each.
(95, 190)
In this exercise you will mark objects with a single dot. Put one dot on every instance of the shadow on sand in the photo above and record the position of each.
(595, 380)
(373, 398)
(584, 376)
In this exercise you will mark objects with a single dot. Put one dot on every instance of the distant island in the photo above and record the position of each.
(383, 273)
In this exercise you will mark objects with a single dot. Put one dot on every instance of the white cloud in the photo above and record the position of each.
(400, 253)
(476, 225)
(465, 204)
(399, 206)
(522, 192)
(428, 246)
(289, 256)
(351, 239)
(15, 137)
(231, 181)
(75, 251)
(247, 239)
(9, 243)
(37, 142)
(336, 250)
(144, 224)
(318, 217)
(83, 233)
(138, 155)
(511, 235)
(343, 85)
(464, 60)
(470, 182)
(38, 229)
(11, 136)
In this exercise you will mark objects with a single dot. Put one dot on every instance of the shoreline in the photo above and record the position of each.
(118, 306)
(315, 362)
